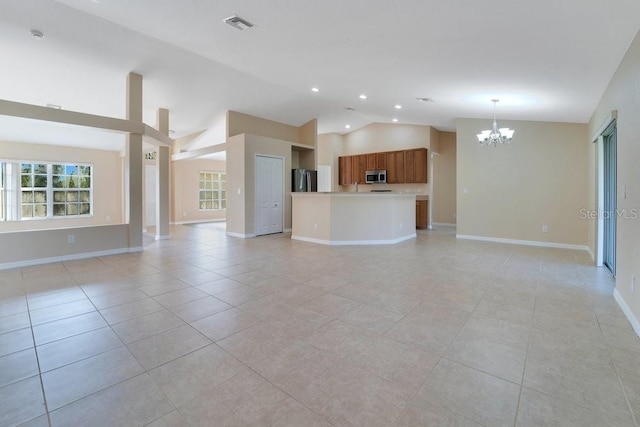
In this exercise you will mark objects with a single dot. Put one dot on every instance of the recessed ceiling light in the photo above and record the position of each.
(394, 120)
(349, 108)
(363, 96)
(397, 106)
(54, 106)
(315, 89)
(347, 126)
(425, 99)
(37, 34)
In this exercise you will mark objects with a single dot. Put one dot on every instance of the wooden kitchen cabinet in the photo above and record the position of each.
(395, 167)
(415, 165)
(422, 214)
(402, 166)
(381, 161)
(359, 168)
(344, 170)
(372, 161)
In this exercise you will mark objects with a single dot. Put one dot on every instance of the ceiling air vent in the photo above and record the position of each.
(236, 22)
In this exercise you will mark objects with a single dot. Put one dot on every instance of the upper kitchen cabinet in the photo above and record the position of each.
(381, 161)
(372, 163)
(359, 168)
(344, 170)
(415, 165)
(395, 167)
(376, 161)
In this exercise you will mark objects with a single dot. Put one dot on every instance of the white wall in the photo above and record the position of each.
(510, 192)
(185, 178)
(623, 95)
(107, 183)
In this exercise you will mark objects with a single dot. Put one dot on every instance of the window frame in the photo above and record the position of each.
(217, 193)
(11, 196)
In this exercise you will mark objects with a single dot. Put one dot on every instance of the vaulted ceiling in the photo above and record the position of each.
(545, 60)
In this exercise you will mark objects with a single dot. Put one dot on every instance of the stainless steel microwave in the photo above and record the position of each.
(376, 177)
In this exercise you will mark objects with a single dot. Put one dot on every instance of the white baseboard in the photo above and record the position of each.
(240, 235)
(287, 230)
(163, 237)
(524, 242)
(590, 252)
(353, 242)
(198, 221)
(635, 324)
(444, 224)
(74, 257)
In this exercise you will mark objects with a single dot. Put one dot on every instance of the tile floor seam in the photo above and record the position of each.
(35, 349)
(178, 357)
(458, 413)
(107, 388)
(618, 377)
(526, 357)
(283, 391)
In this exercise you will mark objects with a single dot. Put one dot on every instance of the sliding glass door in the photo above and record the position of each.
(610, 200)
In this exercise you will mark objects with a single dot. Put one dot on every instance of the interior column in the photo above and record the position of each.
(134, 164)
(162, 179)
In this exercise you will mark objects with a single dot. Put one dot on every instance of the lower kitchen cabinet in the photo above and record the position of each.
(422, 214)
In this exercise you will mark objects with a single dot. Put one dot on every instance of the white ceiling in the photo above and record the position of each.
(546, 60)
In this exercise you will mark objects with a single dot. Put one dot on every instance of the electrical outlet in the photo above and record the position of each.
(71, 238)
(108, 218)
(184, 214)
(545, 228)
(315, 227)
(633, 283)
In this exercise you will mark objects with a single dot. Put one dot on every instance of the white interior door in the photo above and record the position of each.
(150, 195)
(269, 194)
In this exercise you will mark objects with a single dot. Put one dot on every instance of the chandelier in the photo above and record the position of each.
(495, 135)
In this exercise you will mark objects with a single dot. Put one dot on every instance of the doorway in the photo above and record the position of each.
(150, 180)
(269, 195)
(610, 212)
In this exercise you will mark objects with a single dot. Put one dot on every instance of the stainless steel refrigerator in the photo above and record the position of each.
(304, 180)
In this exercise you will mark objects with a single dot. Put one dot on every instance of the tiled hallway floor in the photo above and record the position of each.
(208, 330)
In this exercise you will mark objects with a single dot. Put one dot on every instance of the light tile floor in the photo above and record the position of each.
(208, 330)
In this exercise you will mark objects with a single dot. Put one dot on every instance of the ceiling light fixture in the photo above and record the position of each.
(363, 96)
(495, 135)
(397, 106)
(315, 89)
(238, 23)
(394, 120)
(425, 99)
(347, 126)
(54, 106)
(37, 34)
(349, 108)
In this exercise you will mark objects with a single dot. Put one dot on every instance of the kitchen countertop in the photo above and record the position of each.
(362, 193)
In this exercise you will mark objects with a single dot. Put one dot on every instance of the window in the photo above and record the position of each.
(212, 191)
(3, 201)
(33, 185)
(44, 190)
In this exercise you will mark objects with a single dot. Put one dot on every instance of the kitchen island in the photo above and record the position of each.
(353, 218)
